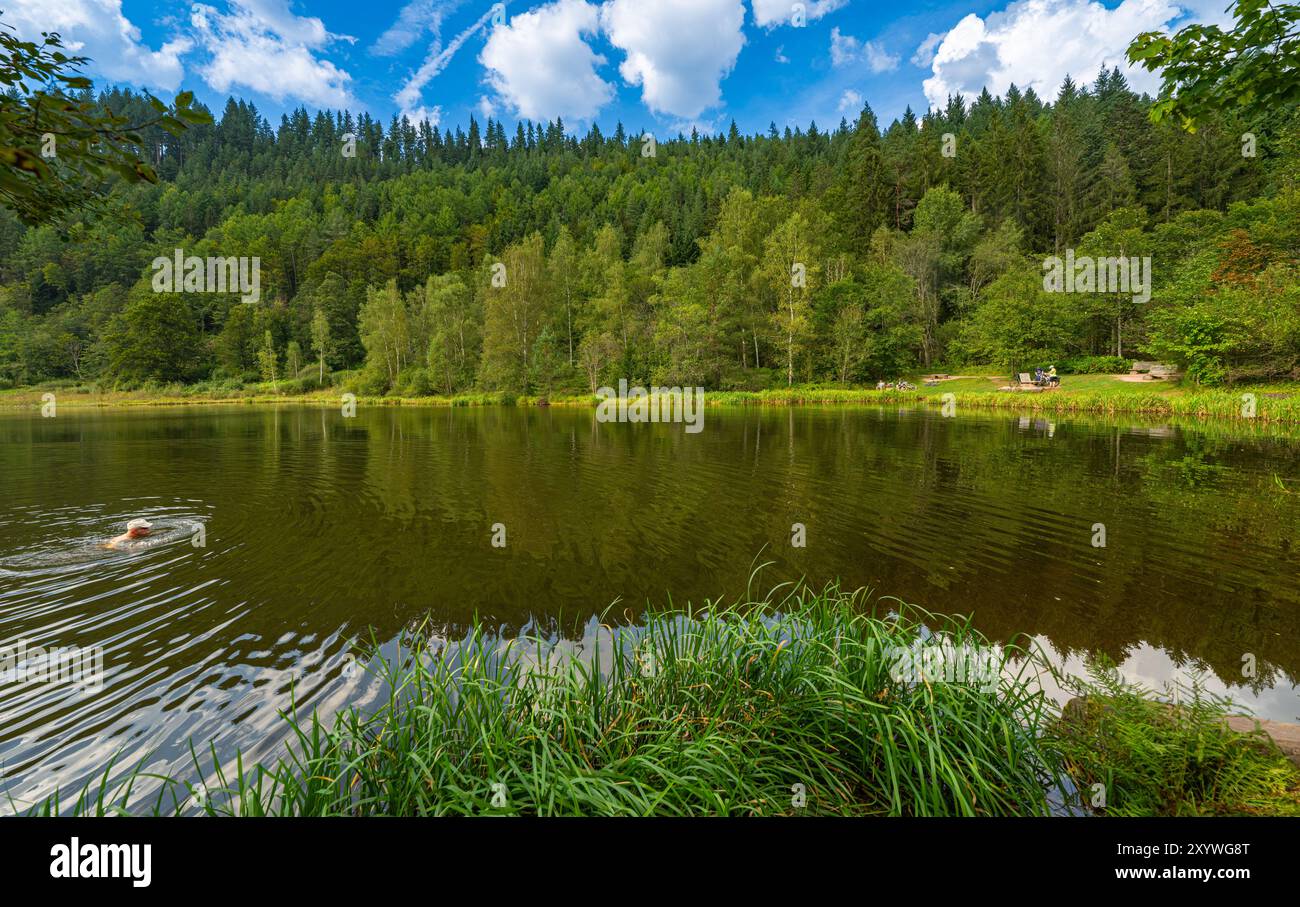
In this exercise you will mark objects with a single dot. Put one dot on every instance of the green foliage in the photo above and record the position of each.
(792, 705)
(293, 359)
(320, 338)
(453, 326)
(236, 345)
(678, 271)
(1197, 340)
(1253, 68)
(385, 331)
(789, 271)
(370, 381)
(720, 711)
(1176, 757)
(1017, 325)
(57, 146)
(1233, 314)
(515, 314)
(1094, 365)
(414, 382)
(268, 359)
(157, 337)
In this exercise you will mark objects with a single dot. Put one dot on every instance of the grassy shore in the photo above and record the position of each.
(802, 705)
(1095, 394)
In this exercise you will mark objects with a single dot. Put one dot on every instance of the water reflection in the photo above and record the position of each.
(319, 530)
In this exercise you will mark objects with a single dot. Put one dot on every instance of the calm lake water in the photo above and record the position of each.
(318, 530)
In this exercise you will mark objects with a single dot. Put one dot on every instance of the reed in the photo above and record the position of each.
(787, 705)
(779, 707)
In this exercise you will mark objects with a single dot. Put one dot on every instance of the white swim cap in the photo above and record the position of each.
(139, 524)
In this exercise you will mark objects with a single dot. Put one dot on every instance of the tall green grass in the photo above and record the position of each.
(791, 705)
(1095, 394)
(1271, 405)
(779, 707)
(1213, 404)
(1172, 755)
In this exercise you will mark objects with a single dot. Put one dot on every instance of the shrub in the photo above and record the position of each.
(297, 386)
(369, 382)
(1095, 365)
(1162, 758)
(414, 382)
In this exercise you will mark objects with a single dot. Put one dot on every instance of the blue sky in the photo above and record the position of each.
(658, 64)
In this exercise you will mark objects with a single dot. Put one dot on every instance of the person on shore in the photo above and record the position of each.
(135, 530)
(1051, 376)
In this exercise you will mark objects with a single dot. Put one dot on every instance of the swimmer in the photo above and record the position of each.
(136, 529)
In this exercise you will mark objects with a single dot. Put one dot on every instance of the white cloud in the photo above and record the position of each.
(98, 29)
(715, 125)
(780, 55)
(847, 50)
(275, 16)
(539, 65)
(1207, 12)
(678, 51)
(416, 114)
(1036, 43)
(408, 96)
(261, 45)
(844, 48)
(924, 55)
(770, 13)
(850, 102)
(417, 18)
(879, 59)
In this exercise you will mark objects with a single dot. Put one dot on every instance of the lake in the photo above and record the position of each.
(285, 534)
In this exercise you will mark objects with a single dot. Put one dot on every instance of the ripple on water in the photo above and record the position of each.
(319, 528)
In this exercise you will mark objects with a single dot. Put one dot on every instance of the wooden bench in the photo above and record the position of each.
(1026, 382)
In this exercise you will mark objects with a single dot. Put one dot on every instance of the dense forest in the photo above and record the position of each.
(416, 260)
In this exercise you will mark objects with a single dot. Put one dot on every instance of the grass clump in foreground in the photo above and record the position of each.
(780, 707)
(777, 708)
(1158, 758)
